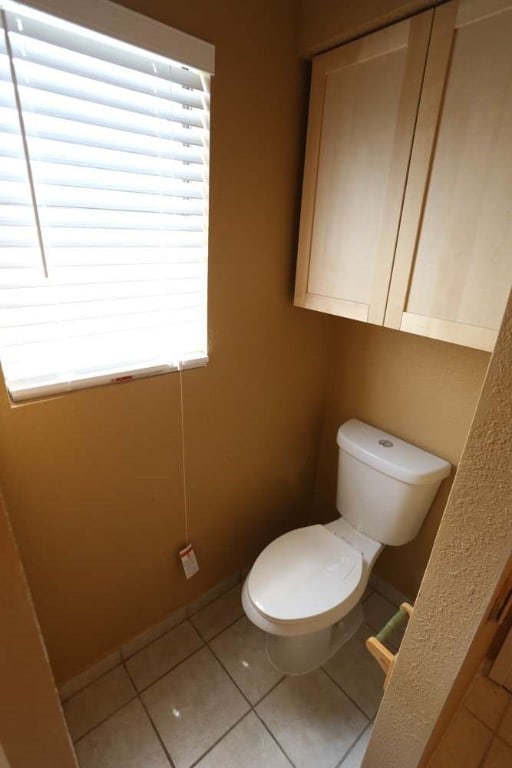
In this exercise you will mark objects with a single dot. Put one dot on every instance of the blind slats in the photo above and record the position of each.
(106, 159)
(104, 258)
(101, 92)
(169, 321)
(16, 193)
(87, 64)
(121, 137)
(117, 165)
(76, 40)
(97, 218)
(56, 104)
(81, 176)
(184, 282)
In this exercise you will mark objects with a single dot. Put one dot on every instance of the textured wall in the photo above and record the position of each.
(470, 553)
(32, 730)
(93, 478)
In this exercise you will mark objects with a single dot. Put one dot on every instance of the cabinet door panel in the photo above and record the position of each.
(460, 272)
(364, 100)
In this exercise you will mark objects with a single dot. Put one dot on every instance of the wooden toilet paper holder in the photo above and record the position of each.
(375, 644)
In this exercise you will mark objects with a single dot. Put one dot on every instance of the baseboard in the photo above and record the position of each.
(385, 589)
(76, 683)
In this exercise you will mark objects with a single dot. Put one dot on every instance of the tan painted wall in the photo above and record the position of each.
(93, 478)
(421, 390)
(469, 557)
(326, 23)
(32, 729)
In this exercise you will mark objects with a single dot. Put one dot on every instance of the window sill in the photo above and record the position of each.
(29, 394)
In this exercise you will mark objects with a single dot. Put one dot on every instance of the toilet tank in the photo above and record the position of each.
(385, 485)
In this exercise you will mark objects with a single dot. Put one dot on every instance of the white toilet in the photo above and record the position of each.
(305, 588)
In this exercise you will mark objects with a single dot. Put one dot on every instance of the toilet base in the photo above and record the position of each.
(299, 654)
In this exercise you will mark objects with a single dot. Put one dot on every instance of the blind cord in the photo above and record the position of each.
(183, 458)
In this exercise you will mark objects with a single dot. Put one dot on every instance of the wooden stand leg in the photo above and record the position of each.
(384, 657)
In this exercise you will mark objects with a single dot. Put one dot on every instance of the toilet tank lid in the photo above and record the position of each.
(390, 455)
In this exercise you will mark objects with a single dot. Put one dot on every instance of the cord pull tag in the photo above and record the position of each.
(189, 561)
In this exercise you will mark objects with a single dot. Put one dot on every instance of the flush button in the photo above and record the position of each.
(386, 443)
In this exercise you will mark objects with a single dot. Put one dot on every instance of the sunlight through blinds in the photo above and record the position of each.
(104, 152)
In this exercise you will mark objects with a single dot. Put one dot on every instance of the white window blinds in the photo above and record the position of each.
(103, 207)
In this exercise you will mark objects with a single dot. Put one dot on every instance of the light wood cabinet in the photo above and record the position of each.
(407, 202)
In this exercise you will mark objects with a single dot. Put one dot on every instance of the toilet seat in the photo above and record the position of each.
(304, 574)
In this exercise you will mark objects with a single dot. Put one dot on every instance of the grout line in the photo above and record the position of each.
(152, 724)
(138, 692)
(483, 759)
(353, 745)
(221, 594)
(220, 739)
(104, 720)
(175, 626)
(494, 731)
(217, 633)
(91, 682)
(253, 706)
(171, 669)
(150, 642)
(502, 716)
(284, 677)
(287, 756)
(123, 658)
(207, 644)
(231, 624)
(228, 674)
(356, 705)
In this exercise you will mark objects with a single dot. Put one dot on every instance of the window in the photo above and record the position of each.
(103, 198)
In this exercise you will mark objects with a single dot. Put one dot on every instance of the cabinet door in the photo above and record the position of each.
(363, 106)
(453, 271)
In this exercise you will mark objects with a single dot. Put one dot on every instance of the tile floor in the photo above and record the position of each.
(204, 694)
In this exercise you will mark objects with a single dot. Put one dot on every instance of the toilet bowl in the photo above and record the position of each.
(305, 588)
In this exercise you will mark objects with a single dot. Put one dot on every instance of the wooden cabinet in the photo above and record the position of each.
(407, 203)
(364, 100)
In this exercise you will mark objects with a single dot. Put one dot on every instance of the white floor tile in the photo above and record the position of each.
(220, 614)
(356, 754)
(88, 708)
(248, 745)
(163, 654)
(314, 722)
(125, 740)
(241, 648)
(377, 612)
(356, 671)
(193, 706)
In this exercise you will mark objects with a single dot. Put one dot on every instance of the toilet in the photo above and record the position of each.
(305, 588)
